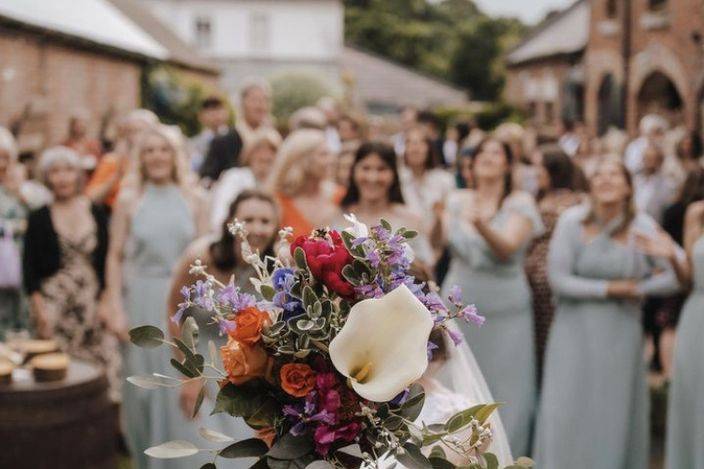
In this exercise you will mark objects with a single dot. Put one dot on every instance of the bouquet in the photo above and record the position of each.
(323, 361)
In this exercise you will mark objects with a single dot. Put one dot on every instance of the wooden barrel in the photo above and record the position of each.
(64, 424)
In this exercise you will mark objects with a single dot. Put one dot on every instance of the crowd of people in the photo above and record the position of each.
(563, 244)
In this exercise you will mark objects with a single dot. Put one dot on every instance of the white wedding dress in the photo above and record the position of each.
(455, 387)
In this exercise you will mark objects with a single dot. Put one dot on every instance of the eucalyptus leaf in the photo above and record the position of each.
(492, 462)
(213, 436)
(409, 234)
(199, 401)
(385, 224)
(320, 465)
(485, 412)
(413, 405)
(290, 447)
(153, 382)
(461, 419)
(184, 370)
(299, 256)
(437, 452)
(209, 465)
(299, 463)
(413, 458)
(147, 336)
(441, 463)
(172, 449)
(267, 292)
(252, 447)
(264, 416)
(189, 332)
(239, 401)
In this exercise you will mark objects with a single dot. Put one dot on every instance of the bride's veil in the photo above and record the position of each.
(461, 374)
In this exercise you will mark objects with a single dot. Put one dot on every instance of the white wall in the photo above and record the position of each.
(309, 30)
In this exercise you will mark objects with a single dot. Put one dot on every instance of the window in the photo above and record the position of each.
(259, 31)
(611, 9)
(657, 5)
(204, 31)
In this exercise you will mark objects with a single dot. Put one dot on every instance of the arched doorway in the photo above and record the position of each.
(658, 94)
(609, 101)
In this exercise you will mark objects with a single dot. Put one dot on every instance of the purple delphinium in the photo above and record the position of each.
(281, 277)
(455, 336)
(233, 298)
(203, 297)
(302, 415)
(182, 307)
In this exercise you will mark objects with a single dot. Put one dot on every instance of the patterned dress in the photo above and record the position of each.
(70, 298)
(13, 304)
(550, 208)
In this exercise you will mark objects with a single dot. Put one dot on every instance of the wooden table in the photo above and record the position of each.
(62, 424)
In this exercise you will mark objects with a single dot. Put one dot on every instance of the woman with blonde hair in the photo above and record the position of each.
(156, 217)
(258, 157)
(300, 181)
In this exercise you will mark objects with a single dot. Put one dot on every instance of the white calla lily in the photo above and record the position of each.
(382, 348)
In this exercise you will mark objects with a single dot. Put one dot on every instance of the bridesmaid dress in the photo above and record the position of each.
(504, 345)
(594, 406)
(161, 229)
(178, 427)
(685, 415)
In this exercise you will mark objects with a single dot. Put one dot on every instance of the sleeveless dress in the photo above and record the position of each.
(594, 406)
(161, 229)
(504, 345)
(685, 415)
(70, 299)
(178, 427)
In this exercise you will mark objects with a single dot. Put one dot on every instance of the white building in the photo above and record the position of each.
(260, 38)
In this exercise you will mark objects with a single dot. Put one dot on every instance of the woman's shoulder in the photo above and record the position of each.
(520, 197)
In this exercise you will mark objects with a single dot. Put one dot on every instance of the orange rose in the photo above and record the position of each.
(297, 379)
(249, 323)
(242, 362)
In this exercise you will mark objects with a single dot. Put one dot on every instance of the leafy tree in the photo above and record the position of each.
(451, 39)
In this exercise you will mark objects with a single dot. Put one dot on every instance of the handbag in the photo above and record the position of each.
(10, 260)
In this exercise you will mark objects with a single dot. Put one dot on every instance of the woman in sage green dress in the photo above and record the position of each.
(155, 219)
(489, 229)
(593, 411)
(685, 415)
(222, 256)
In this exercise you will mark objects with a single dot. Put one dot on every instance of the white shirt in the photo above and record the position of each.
(230, 184)
(422, 195)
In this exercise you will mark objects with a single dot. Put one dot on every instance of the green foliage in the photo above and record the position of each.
(494, 114)
(174, 97)
(292, 91)
(451, 39)
(147, 336)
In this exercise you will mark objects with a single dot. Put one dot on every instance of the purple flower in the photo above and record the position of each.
(433, 302)
(225, 326)
(401, 397)
(282, 277)
(455, 296)
(359, 241)
(302, 416)
(430, 348)
(470, 314)
(182, 307)
(455, 336)
(234, 299)
(374, 258)
(371, 290)
(380, 233)
(202, 295)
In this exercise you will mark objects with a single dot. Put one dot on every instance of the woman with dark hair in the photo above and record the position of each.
(488, 229)
(222, 254)
(594, 404)
(374, 193)
(556, 179)
(689, 150)
(424, 183)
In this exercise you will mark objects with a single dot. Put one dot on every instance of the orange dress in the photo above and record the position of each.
(107, 167)
(292, 216)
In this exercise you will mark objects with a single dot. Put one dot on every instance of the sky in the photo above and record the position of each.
(530, 11)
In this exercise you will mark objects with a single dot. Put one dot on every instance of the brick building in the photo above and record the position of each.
(62, 56)
(639, 56)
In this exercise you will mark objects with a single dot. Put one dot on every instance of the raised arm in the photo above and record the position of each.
(522, 224)
(561, 255)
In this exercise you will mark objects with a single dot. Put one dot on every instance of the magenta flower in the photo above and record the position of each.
(326, 435)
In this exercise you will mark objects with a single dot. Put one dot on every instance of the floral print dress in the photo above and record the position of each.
(13, 304)
(70, 299)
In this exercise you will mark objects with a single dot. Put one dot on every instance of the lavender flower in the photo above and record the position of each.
(234, 299)
(470, 314)
(431, 347)
(455, 296)
(182, 307)
(455, 336)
